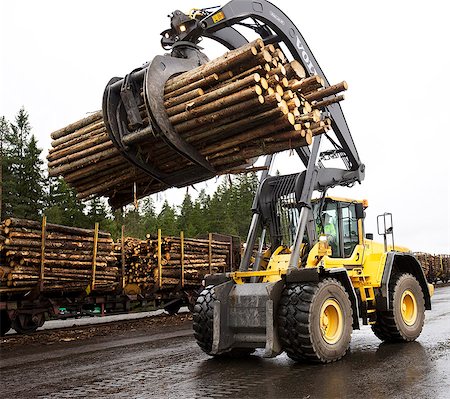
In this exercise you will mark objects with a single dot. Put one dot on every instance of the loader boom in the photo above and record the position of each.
(274, 26)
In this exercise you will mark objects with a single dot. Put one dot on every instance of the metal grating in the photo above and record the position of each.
(280, 209)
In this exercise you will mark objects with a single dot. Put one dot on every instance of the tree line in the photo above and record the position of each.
(27, 192)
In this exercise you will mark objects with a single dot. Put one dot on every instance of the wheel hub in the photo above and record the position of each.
(408, 308)
(331, 321)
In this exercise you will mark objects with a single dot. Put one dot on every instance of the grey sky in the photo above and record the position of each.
(57, 57)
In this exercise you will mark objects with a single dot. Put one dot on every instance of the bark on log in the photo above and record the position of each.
(214, 104)
(16, 222)
(77, 125)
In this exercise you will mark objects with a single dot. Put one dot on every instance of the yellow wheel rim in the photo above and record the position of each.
(409, 308)
(331, 321)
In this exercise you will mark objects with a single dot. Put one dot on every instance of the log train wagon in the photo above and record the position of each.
(52, 271)
(436, 267)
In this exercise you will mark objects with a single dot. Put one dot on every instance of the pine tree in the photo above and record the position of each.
(98, 213)
(23, 179)
(133, 224)
(5, 171)
(221, 218)
(167, 220)
(149, 218)
(31, 201)
(242, 201)
(200, 216)
(185, 220)
(97, 210)
(64, 207)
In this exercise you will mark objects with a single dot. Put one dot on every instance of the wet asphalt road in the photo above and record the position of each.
(168, 364)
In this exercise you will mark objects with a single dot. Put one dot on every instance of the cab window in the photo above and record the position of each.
(349, 228)
(330, 218)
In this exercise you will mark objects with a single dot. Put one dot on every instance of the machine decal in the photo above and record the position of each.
(305, 56)
(218, 17)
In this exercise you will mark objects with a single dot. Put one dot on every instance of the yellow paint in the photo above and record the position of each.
(365, 267)
(431, 289)
(239, 277)
(275, 268)
(94, 256)
(408, 308)
(331, 321)
(159, 259)
(218, 17)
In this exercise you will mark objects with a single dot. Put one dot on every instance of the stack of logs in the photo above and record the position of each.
(435, 267)
(184, 262)
(249, 102)
(65, 260)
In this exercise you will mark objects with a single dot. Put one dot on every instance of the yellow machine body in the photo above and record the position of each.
(365, 265)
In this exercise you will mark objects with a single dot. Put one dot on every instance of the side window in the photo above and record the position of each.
(331, 229)
(349, 229)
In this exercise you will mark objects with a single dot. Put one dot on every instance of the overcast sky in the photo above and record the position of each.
(57, 56)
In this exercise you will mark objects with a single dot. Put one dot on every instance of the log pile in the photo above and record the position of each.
(444, 275)
(249, 102)
(182, 262)
(68, 259)
(435, 267)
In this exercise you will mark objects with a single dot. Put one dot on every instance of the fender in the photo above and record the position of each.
(339, 273)
(405, 263)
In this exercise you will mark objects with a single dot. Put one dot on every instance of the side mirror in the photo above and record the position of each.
(359, 209)
(369, 236)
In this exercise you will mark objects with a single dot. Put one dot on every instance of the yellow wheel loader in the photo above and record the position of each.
(309, 274)
(310, 309)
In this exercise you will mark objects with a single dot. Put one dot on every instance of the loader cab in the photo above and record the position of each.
(342, 221)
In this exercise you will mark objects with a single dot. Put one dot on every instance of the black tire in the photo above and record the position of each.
(27, 323)
(202, 316)
(302, 309)
(395, 325)
(5, 322)
(203, 320)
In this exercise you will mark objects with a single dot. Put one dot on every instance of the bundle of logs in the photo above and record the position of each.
(55, 257)
(249, 102)
(435, 267)
(179, 263)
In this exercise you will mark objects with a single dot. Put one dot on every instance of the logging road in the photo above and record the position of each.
(159, 359)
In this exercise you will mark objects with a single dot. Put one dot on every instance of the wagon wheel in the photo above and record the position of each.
(25, 323)
(5, 322)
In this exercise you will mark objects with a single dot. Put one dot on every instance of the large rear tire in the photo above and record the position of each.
(315, 321)
(5, 322)
(404, 321)
(203, 322)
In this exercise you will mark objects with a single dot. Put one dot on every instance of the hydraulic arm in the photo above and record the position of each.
(120, 101)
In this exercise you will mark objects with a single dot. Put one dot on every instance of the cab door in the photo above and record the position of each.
(348, 248)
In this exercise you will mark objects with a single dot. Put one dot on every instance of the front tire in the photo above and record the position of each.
(203, 323)
(315, 321)
(404, 321)
(203, 318)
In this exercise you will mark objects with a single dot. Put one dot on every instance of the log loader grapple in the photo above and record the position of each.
(314, 274)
